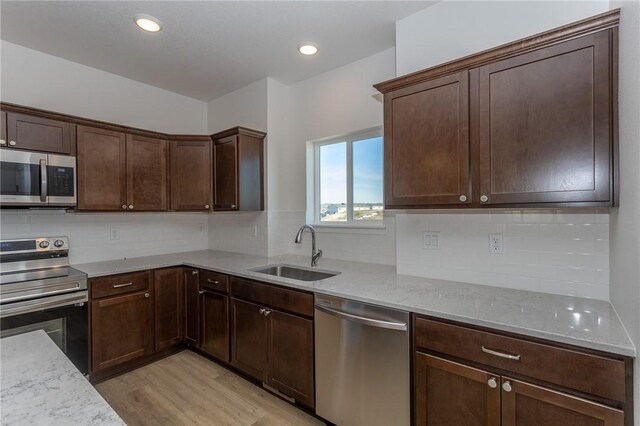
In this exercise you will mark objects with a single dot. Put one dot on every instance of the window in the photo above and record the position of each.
(348, 185)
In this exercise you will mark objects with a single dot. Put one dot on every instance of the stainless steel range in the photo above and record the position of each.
(40, 291)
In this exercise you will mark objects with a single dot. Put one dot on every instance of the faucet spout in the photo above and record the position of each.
(315, 254)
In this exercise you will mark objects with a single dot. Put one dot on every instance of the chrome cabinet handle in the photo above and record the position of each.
(201, 292)
(122, 285)
(506, 386)
(206, 206)
(146, 295)
(124, 207)
(492, 383)
(43, 180)
(233, 206)
(500, 354)
(463, 198)
(194, 272)
(484, 198)
(267, 312)
(130, 206)
(12, 143)
(3, 142)
(209, 280)
(261, 311)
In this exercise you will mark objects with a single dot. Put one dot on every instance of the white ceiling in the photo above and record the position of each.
(206, 49)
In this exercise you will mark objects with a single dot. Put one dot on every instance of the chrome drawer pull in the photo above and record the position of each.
(209, 280)
(122, 285)
(501, 354)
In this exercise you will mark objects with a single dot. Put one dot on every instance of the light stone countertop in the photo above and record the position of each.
(40, 386)
(577, 321)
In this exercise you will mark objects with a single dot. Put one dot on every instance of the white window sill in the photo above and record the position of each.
(351, 228)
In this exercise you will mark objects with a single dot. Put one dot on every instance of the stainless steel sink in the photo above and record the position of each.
(295, 272)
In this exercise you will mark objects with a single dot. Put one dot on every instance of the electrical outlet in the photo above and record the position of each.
(201, 227)
(254, 231)
(431, 240)
(114, 234)
(495, 244)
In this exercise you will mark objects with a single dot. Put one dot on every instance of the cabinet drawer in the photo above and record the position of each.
(214, 281)
(276, 297)
(592, 374)
(119, 284)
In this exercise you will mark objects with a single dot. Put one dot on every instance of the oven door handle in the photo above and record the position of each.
(17, 308)
(43, 181)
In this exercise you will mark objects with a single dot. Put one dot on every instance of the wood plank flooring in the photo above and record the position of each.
(188, 389)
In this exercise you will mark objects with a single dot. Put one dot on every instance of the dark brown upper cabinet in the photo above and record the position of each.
(147, 174)
(545, 124)
(527, 124)
(191, 175)
(427, 162)
(3, 129)
(102, 169)
(238, 182)
(38, 133)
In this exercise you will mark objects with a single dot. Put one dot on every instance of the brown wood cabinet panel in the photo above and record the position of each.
(291, 356)
(249, 339)
(147, 176)
(102, 171)
(168, 293)
(295, 301)
(427, 143)
(545, 124)
(225, 182)
(113, 285)
(448, 393)
(251, 172)
(191, 169)
(121, 329)
(214, 315)
(524, 404)
(214, 281)
(39, 134)
(564, 367)
(192, 306)
(3, 129)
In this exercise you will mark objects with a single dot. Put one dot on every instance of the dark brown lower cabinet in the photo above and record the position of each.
(169, 307)
(290, 368)
(191, 306)
(214, 324)
(450, 393)
(121, 329)
(249, 338)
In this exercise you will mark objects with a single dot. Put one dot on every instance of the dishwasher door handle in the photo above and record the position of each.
(392, 325)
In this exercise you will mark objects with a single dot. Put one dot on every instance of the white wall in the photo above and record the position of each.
(625, 220)
(141, 234)
(245, 107)
(35, 79)
(452, 29)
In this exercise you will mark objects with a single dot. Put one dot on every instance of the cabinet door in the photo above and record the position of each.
(168, 293)
(191, 175)
(249, 345)
(225, 181)
(524, 404)
(545, 125)
(448, 393)
(39, 134)
(192, 307)
(426, 146)
(121, 329)
(3, 129)
(102, 172)
(291, 356)
(147, 177)
(215, 324)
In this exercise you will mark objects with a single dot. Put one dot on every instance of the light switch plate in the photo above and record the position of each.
(431, 240)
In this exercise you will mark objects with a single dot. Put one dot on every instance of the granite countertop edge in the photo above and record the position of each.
(403, 293)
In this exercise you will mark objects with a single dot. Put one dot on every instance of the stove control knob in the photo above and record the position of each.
(44, 244)
(58, 243)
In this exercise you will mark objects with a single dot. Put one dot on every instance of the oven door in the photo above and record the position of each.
(64, 318)
(23, 180)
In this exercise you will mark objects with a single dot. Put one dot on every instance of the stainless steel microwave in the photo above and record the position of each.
(36, 179)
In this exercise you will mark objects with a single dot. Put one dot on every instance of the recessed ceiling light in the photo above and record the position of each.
(308, 49)
(148, 23)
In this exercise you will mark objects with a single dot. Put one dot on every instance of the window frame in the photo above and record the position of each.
(349, 139)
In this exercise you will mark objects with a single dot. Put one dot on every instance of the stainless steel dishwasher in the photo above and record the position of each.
(362, 363)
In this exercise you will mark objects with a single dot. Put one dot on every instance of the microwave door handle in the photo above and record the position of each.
(43, 181)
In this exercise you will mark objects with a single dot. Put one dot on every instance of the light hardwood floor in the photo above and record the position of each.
(188, 389)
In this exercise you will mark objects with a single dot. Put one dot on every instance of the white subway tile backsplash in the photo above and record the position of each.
(555, 251)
